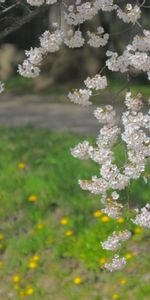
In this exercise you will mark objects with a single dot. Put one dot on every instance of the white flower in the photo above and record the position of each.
(98, 38)
(114, 242)
(105, 114)
(108, 136)
(113, 210)
(143, 218)
(79, 13)
(75, 40)
(105, 5)
(81, 150)
(95, 186)
(142, 42)
(28, 70)
(133, 103)
(101, 155)
(34, 55)
(97, 82)
(51, 1)
(80, 96)
(117, 263)
(115, 195)
(51, 42)
(2, 86)
(35, 2)
(130, 14)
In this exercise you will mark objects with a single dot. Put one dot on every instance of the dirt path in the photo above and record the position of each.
(39, 112)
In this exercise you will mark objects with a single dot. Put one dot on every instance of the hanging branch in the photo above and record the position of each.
(20, 22)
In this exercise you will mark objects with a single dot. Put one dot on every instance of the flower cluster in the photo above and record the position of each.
(40, 2)
(74, 40)
(81, 151)
(2, 87)
(130, 14)
(135, 56)
(143, 218)
(134, 134)
(112, 208)
(117, 263)
(98, 38)
(50, 43)
(114, 242)
(98, 82)
(82, 96)
(79, 13)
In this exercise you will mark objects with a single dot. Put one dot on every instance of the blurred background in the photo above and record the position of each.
(50, 230)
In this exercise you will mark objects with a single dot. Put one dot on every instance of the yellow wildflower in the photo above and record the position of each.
(102, 260)
(35, 258)
(105, 219)
(115, 296)
(21, 166)
(32, 265)
(77, 280)
(69, 233)
(40, 226)
(128, 256)
(29, 291)
(138, 230)
(64, 221)
(122, 281)
(16, 278)
(2, 237)
(97, 213)
(32, 198)
(121, 220)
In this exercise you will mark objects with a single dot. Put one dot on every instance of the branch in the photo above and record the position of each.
(20, 22)
(9, 8)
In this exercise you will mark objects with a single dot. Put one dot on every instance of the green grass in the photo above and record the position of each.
(51, 173)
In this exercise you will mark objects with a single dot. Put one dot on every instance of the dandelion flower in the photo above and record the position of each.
(128, 256)
(123, 281)
(32, 265)
(35, 258)
(138, 230)
(32, 198)
(97, 213)
(21, 166)
(16, 278)
(69, 233)
(105, 219)
(121, 220)
(102, 260)
(77, 280)
(30, 291)
(64, 221)
(40, 226)
(115, 296)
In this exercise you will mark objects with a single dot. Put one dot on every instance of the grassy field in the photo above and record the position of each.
(50, 230)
